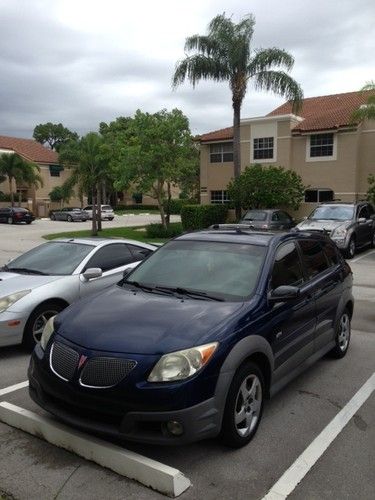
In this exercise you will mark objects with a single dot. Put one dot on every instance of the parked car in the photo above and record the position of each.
(190, 343)
(69, 214)
(350, 225)
(42, 282)
(14, 215)
(107, 212)
(267, 219)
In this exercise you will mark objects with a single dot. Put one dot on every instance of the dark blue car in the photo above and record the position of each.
(191, 342)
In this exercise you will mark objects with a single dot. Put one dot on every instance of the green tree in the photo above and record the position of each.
(54, 134)
(18, 171)
(260, 186)
(151, 154)
(88, 160)
(225, 54)
(62, 194)
(371, 188)
(368, 110)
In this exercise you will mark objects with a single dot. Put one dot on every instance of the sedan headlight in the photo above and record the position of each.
(47, 332)
(182, 364)
(9, 300)
(339, 232)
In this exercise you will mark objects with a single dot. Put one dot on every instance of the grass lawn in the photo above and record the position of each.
(135, 212)
(117, 232)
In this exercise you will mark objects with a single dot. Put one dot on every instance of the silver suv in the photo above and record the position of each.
(350, 225)
(106, 211)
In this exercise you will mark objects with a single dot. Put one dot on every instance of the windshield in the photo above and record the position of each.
(56, 258)
(255, 215)
(332, 212)
(226, 270)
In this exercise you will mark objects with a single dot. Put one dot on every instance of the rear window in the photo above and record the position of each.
(22, 210)
(255, 215)
(314, 258)
(106, 207)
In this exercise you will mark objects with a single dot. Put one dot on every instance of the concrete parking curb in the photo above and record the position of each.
(151, 473)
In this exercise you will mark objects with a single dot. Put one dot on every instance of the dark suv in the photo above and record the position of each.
(190, 343)
(350, 225)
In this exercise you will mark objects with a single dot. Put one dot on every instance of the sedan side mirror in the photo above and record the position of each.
(362, 220)
(283, 293)
(92, 272)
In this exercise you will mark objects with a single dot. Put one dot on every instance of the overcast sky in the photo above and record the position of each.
(81, 62)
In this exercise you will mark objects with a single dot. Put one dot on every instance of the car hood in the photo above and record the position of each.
(15, 282)
(319, 225)
(120, 320)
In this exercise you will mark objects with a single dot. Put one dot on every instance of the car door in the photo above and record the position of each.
(112, 259)
(323, 272)
(364, 229)
(286, 220)
(4, 214)
(293, 322)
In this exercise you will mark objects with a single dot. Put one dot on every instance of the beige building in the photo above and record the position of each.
(36, 199)
(333, 156)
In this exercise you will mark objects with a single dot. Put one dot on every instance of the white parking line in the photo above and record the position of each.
(13, 388)
(149, 472)
(353, 261)
(297, 471)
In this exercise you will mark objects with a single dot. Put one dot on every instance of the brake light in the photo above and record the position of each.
(18, 215)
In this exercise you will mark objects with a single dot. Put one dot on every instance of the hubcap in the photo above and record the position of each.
(344, 332)
(352, 248)
(40, 323)
(248, 405)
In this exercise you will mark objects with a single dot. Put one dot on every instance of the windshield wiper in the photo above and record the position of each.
(146, 288)
(26, 270)
(190, 293)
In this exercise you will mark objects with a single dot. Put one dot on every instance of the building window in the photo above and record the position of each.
(318, 195)
(219, 197)
(221, 152)
(55, 170)
(263, 148)
(321, 145)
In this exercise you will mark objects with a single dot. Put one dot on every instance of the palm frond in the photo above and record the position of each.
(281, 84)
(366, 112)
(203, 44)
(200, 67)
(369, 86)
(266, 59)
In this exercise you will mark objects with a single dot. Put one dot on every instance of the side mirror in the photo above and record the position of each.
(362, 220)
(283, 293)
(92, 272)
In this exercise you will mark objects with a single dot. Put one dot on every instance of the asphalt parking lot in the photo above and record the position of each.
(31, 468)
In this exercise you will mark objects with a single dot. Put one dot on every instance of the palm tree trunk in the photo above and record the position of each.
(168, 211)
(94, 227)
(11, 192)
(236, 146)
(99, 211)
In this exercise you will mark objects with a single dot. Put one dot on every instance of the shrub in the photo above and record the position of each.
(175, 205)
(159, 231)
(202, 216)
(136, 207)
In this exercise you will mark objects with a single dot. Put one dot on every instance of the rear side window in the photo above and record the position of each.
(287, 269)
(110, 257)
(139, 253)
(331, 253)
(314, 258)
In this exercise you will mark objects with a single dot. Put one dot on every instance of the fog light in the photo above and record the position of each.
(175, 428)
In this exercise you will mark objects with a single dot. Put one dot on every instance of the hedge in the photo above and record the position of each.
(136, 207)
(176, 204)
(202, 216)
(159, 231)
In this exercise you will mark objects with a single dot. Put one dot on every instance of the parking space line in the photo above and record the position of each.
(13, 388)
(297, 471)
(149, 472)
(353, 261)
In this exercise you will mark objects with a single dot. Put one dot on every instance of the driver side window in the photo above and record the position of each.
(287, 268)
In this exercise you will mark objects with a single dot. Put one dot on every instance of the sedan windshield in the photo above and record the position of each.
(215, 269)
(332, 212)
(255, 215)
(55, 258)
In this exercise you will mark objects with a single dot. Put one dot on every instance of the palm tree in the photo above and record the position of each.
(18, 172)
(368, 110)
(225, 54)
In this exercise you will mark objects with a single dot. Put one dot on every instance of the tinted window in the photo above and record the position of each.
(284, 217)
(88, 208)
(275, 216)
(287, 269)
(139, 253)
(23, 210)
(363, 212)
(370, 209)
(110, 257)
(331, 253)
(106, 207)
(314, 259)
(255, 215)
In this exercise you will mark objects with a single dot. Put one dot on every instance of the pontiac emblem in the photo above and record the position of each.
(81, 361)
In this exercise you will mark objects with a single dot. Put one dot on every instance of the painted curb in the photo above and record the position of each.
(151, 473)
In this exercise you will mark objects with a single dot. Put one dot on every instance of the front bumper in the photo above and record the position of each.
(12, 325)
(89, 410)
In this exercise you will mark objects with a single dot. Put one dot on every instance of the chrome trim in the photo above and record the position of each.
(100, 386)
(52, 369)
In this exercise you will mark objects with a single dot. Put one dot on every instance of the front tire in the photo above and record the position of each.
(373, 240)
(53, 217)
(350, 250)
(244, 406)
(69, 218)
(10, 220)
(342, 338)
(37, 321)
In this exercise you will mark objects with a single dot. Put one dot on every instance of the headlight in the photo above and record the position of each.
(9, 300)
(47, 332)
(339, 232)
(182, 364)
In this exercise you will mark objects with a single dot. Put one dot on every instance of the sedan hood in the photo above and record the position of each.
(120, 320)
(320, 225)
(15, 282)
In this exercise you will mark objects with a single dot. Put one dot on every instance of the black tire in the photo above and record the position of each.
(53, 217)
(10, 220)
(33, 330)
(234, 431)
(69, 218)
(28, 222)
(373, 240)
(350, 249)
(342, 336)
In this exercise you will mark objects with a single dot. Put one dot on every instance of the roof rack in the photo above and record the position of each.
(239, 228)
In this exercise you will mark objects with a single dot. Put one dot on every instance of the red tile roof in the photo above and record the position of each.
(320, 113)
(29, 149)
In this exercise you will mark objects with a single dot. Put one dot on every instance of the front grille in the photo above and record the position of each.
(105, 372)
(63, 360)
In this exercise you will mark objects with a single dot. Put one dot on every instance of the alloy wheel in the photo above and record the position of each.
(248, 405)
(40, 323)
(344, 332)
